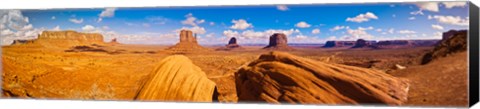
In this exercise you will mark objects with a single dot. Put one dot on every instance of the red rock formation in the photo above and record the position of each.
(65, 39)
(361, 43)
(457, 42)
(330, 44)
(278, 41)
(71, 36)
(232, 45)
(281, 77)
(176, 78)
(114, 41)
(20, 42)
(188, 43)
(451, 33)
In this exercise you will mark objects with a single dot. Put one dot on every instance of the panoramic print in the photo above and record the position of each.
(408, 54)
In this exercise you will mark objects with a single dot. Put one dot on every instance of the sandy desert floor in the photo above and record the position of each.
(115, 72)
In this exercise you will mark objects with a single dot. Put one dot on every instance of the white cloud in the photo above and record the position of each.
(195, 29)
(53, 18)
(108, 12)
(282, 7)
(339, 28)
(210, 35)
(449, 5)
(88, 28)
(241, 24)
(437, 27)
(56, 28)
(212, 23)
(302, 24)
(191, 20)
(77, 21)
(250, 34)
(13, 26)
(378, 30)
(419, 12)
(200, 21)
(452, 20)
(429, 6)
(391, 30)
(359, 33)
(362, 17)
(406, 32)
(230, 33)
(157, 20)
(6, 32)
(316, 31)
(411, 18)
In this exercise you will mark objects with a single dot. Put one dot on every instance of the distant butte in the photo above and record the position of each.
(63, 39)
(188, 43)
(278, 41)
(232, 45)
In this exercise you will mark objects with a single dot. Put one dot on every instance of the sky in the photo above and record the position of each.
(305, 23)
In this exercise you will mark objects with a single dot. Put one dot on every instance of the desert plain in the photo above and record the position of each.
(79, 70)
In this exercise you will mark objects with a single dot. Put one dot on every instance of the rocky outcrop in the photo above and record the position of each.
(457, 42)
(64, 39)
(278, 41)
(405, 43)
(330, 44)
(187, 43)
(279, 77)
(361, 43)
(71, 36)
(232, 45)
(20, 42)
(395, 44)
(176, 78)
(450, 33)
(114, 41)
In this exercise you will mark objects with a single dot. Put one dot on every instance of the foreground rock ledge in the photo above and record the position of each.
(177, 79)
(280, 77)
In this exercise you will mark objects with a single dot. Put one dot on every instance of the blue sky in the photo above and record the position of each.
(250, 24)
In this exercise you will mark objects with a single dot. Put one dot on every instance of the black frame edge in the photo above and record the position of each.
(473, 55)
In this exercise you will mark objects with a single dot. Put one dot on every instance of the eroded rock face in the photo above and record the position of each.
(451, 33)
(330, 44)
(71, 36)
(278, 41)
(176, 78)
(280, 77)
(114, 41)
(186, 36)
(232, 43)
(457, 42)
(64, 39)
(187, 43)
(19, 42)
(361, 43)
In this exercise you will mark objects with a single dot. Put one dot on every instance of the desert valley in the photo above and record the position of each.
(81, 66)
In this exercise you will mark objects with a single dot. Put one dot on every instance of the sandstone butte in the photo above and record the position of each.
(187, 43)
(455, 42)
(278, 41)
(232, 45)
(176, 78)
(279, 77)
(114, 41)
(63, 38)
